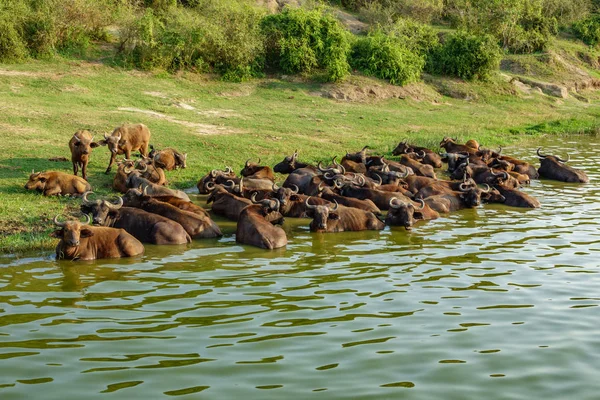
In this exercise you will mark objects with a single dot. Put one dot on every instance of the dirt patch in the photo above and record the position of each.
(374, 92)
(200, 129)
(185, 106)
(156, 94)
(5, 72)
(219, 113)
(243, 91)
(351, 22)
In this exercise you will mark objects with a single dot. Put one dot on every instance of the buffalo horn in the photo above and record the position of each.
(539, 154)
(213, 173)
(295, 191)
(274, 187)
(57, 222)
(209, 186)
(488, 188)
(85, 199)
(309, 206)
(228, 170)
(422, 204)
(380, 181)
(564, 161)
(393, 203)
(336, 206)
(115, 206)
(253, 198)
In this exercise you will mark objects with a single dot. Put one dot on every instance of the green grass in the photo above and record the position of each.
(43, 103)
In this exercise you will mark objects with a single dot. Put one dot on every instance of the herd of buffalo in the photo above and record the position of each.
(349, 195)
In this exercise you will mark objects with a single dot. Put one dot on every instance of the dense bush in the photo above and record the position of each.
(224, 38)
(418, 37)
(302, 41)
(467, 56)
(385, 12)
(588, 30)
(386, 57)
(520, 26)
(567, 12)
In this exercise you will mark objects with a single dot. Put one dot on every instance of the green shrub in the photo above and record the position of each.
(467, 56)
(302, 41)
(386, 57)
(567, 12)
(418, 37)
(588, 30)
(223, 38)
(12, 46)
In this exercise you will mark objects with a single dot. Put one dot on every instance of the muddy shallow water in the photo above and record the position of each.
(494, 302)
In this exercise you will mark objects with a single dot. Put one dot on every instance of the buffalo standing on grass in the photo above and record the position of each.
(81, 145)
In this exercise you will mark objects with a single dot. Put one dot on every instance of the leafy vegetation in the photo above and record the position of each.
(301, 41)
(588, 30)
(387, 58)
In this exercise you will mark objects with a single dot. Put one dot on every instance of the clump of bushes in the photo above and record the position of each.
(222, 38)
(416, 36)
(387, 58)
(385, 12)
(303, 41)
(588, 30)
(466, 55)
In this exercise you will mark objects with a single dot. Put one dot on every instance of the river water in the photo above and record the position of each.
(493, 302)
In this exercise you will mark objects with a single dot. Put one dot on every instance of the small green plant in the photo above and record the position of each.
(467, 56)
(387, 58)
(588, 30)
(303, 41)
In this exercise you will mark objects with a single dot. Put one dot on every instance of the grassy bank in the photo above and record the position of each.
(43, 103)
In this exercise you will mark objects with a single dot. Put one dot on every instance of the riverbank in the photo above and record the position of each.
(219, 123)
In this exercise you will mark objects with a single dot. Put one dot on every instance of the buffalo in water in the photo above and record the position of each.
(553, 167)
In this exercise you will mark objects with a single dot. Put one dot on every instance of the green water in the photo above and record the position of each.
(489, 303)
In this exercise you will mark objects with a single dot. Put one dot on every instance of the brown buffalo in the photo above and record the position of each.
(135, 181)
(225, 203)
(338, 218)
(79, 241)
(125, 139)
(151, 171)
(120, 180)
(144, 226)
(257, 171)
(290, 164)
(553, 167)
(53, 183)
(516, 198)
(430, 158)
(412, 160)
(183, 204)
(451, 146)
(216, 176)
(328, 194)
(406, 213)
(197, 226)
(168, 159)
(254, 228)
(81, 145)
(292, 204)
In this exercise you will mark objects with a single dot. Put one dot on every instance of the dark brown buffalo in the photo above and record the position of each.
(522, 167)
(144, 226)
(359, 157)
(338, 218)
(79, 241)
(328, 194)
(516, 198)
(380, 198)
(467, 196)
(168, 159)
(451, 146)
(216, 176)
(407, 213)
(302, 178)
(53, 183)
(454, 160)
(553, 167)
(416, 183)
(430, 158)
(292, 204)
(226, 204)
(125, 139)
(290, 164)
(197, 226)
(81, 145)
(257, 171)
(411, 160)
(135, 181)
(254, 228)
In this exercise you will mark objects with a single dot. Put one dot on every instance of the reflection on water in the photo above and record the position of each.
(495, 302)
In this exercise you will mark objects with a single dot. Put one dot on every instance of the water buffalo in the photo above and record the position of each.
(411, 160)
(553, 167)
(225, 203)
(168, 159)
(451, 146)
(135, 180)
(144, 226)
(290, 164)
(292, 204)
(120, 180)
(53, 183)
(328, 194)
(430, 158)
(516, 198)
(254, 228)
(380, 198)
(216, 176)
(79, 241)
(81, 145)
(197, 226)
(257, 171)
(406, 213)
(125, 139)
(338, 218)
(183, 204)
(151, 171)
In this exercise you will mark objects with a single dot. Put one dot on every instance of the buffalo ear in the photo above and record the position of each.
(122, 142)
(102, 142)
(295, 197)
(418, 215)
(42, 179)
(84, 233)
(57, 234)
(333, 216)
(93, 145)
